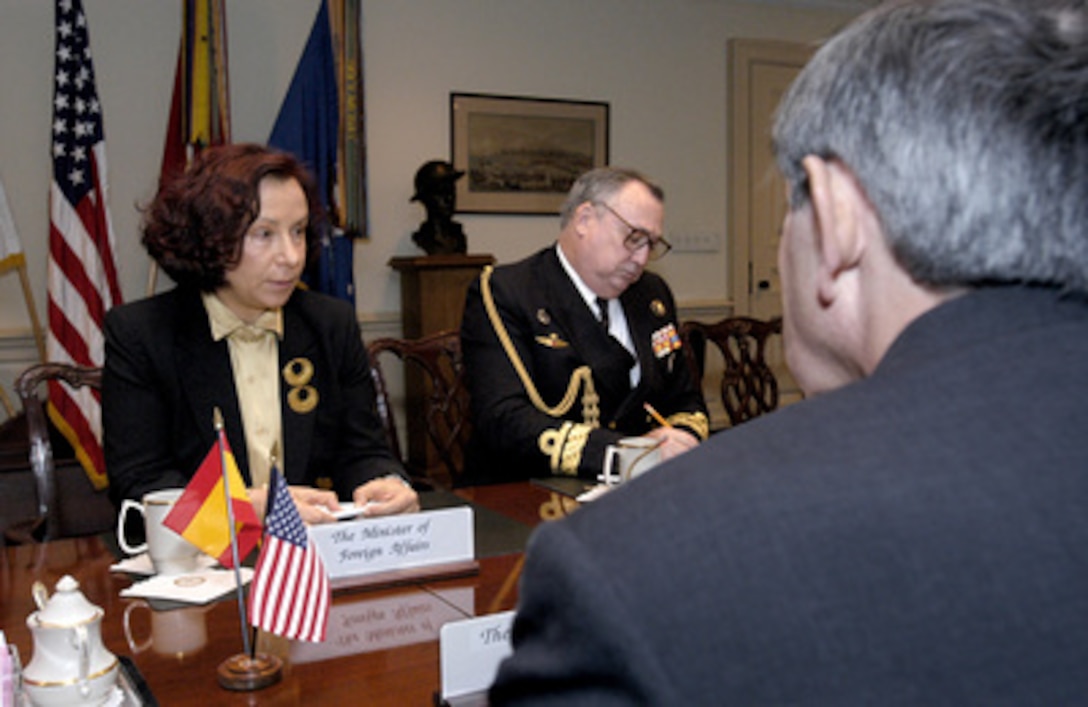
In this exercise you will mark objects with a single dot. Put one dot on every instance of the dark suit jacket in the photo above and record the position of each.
(554, 333)
(164, 375)
(916, 538)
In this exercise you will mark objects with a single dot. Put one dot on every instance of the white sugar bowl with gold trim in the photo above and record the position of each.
(70, 666)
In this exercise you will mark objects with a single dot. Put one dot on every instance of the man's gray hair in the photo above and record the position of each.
(966, 123)
(599, 184)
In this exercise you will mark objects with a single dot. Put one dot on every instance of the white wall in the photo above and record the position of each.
(661, 64)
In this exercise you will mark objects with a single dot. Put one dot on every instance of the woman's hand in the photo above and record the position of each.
(386, 496)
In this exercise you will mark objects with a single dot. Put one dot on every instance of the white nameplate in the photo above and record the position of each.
(360, 547)
(376, 624)
(471, 650)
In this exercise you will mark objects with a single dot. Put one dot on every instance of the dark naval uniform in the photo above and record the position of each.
(572, 396)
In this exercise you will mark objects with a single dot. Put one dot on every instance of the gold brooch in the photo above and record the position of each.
(301, 398)
(658, 307)
(298, 371)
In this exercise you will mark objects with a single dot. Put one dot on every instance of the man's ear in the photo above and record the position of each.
(582, 213)
(839, 207)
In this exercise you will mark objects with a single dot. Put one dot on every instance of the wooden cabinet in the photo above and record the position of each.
(432, 293)
(432, 290)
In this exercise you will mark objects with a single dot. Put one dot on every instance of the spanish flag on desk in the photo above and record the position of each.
(200, 515)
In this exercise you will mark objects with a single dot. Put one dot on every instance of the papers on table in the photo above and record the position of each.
(593, 493)
(349, 510)
(141, 564)
(196, 588)
(207, 584)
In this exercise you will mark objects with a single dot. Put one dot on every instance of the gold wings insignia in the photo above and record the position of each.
(552, 341)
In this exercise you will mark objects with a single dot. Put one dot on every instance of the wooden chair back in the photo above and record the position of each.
(47, 523)
(748, 385)
(436, 404)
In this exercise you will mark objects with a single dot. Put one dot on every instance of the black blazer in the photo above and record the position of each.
(917, 538)
(164, 375)
(555, 333)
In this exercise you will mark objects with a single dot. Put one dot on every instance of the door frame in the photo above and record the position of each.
(742, 55)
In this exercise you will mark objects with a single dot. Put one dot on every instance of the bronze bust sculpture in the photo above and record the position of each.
(439, 234)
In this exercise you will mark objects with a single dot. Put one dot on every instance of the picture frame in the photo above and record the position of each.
(520, 154)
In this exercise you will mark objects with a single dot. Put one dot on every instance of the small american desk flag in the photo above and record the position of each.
(290, 593)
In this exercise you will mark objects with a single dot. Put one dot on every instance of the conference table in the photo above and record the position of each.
(383, 641)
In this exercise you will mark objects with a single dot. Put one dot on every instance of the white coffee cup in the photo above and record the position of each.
(630, 457)
(169, 552)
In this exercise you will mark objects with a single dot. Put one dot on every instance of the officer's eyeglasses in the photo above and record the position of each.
(639, 237)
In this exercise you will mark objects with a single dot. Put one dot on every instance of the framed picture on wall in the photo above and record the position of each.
(520, 155)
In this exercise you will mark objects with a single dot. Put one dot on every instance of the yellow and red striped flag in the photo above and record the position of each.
(200, 107)
(200, 515)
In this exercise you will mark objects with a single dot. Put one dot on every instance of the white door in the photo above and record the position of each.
(760, 71)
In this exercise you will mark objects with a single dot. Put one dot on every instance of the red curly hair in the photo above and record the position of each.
(194, 226)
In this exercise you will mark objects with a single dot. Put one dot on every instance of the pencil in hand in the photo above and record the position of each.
(656, 415)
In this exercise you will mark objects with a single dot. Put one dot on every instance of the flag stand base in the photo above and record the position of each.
(243, 674)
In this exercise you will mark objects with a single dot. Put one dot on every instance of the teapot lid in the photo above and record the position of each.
(67, 606)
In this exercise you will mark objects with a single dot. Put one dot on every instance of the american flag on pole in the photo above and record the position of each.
(290, 593)
(82, 277)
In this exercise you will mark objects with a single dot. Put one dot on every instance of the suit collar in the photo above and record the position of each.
(982, 314)
(588, 296)
(225, 322)
(200, 358)
(642, 322)
(610, 361)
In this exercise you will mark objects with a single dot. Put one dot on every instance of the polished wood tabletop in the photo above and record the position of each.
(382, 646)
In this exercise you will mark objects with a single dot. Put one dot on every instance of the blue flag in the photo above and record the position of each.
(308, 126)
